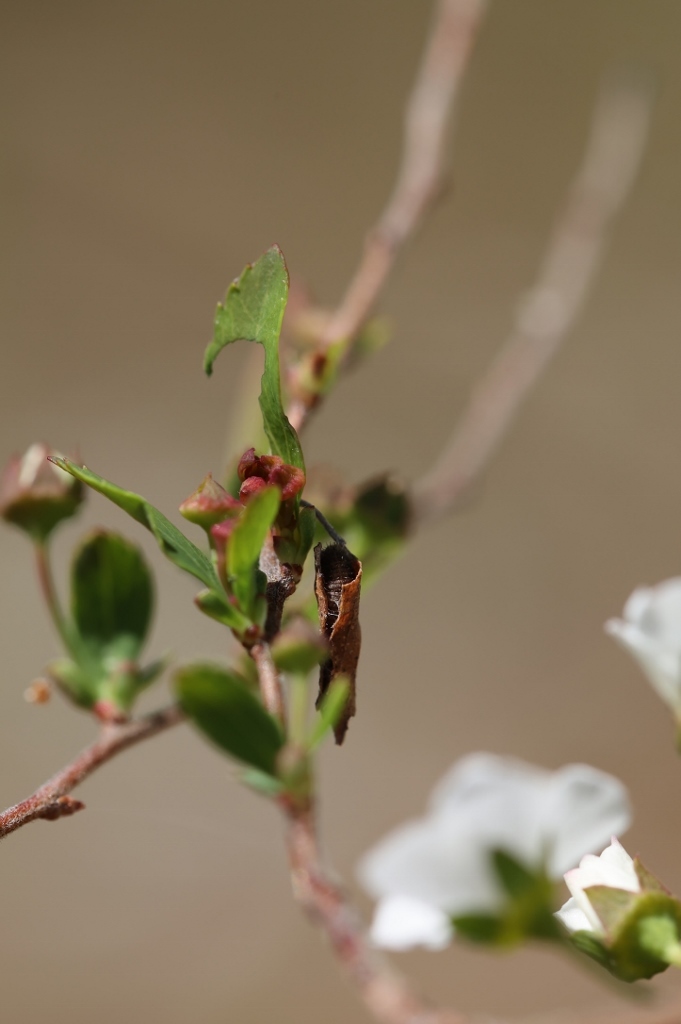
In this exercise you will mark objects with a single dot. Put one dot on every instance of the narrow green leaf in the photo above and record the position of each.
(173, 543)
(588, 943)
(330, 712)
(221, 704)
(264, 784)
(217, 607)
(245, 544)
(111, 592)
(253, 311)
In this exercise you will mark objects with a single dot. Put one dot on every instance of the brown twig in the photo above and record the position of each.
(268, 678)
(418, 181)
(386, 994)
(51, 800)
(547, 314)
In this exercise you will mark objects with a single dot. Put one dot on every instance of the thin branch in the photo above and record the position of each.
(419, 176)
(49, 591)
(51, 801)
(324, 522)
(386, 994)
(550, 309)
(271, 689)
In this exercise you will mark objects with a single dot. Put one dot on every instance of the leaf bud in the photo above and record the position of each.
(36, 495)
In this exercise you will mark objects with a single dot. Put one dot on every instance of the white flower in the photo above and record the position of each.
(442, 863)
(401, 922)
(651, 632)
(614, 869)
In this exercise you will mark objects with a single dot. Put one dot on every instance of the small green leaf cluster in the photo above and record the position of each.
(257, 543)
(112, 600)
(241, 614)
(224, 706)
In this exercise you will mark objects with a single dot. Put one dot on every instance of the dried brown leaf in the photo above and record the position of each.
(338, 577)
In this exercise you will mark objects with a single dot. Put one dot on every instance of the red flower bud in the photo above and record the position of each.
(251, 486)
(209, 504)
(271, 470)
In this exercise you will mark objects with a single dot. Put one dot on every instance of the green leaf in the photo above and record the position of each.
(253, 311)
(264, 784)
(217, 607)
(77, 683)
(514, 876)
(245, 544)
(222, 705)
(307, 528)
(173, 543)
(298, 649)
(486, 929)
(111, 592)
(591, 945)
(330, 712)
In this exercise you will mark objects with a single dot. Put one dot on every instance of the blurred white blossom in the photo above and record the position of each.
(614, 869)
(440, 866)
(651, 631)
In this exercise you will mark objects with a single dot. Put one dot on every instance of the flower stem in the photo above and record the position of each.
(49, 591)
(298, 717)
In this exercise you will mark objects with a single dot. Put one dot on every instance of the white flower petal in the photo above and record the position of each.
(651, 631)
(638, 604)
(574, 918)
(401, 922)
(614, 868)
(434, 861)
(32, 462)
(499, 799)
(661, 621)
(585, 808)
(487, 803)
(661, 665)
(479, 774)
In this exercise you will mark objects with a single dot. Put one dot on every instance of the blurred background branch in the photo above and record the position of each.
(548, 312)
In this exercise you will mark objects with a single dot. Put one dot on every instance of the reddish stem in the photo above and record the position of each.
(51, 800)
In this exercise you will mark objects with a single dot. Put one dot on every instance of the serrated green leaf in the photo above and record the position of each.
(228, 712)
(330, 711)
(111, 593)
(173, 543)
(253, 310)
(245, 544)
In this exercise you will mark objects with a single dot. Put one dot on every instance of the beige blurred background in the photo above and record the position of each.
(149, 150)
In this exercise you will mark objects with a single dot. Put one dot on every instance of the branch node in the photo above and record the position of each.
(62, 807)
